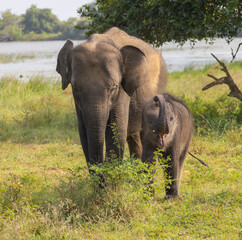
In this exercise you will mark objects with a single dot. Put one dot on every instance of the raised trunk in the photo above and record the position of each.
(161, 125)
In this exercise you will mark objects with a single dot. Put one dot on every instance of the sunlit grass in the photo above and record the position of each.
(47, 193)
(33, 111)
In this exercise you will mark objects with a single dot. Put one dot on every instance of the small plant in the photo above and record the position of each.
(124, 188)
(161, 164)
(114, 187)
(116, 136)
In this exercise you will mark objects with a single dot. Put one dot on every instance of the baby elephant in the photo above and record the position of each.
(167, 125)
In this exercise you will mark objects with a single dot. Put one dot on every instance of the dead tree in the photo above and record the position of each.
(234, 90)
(234, 54)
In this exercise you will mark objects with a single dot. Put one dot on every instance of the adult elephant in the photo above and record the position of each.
(111, 75)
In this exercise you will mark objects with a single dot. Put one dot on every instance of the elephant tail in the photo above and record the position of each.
(201, 161)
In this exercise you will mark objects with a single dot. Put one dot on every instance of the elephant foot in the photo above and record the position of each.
(98, 178)
(171, 196)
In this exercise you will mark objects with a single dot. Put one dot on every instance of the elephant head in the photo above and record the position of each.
(159, 122)
(103, 77)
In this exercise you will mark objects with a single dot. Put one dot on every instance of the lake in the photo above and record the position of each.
(39, 58)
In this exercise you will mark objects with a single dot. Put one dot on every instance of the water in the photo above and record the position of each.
(39, 58)
(179, 58)
(41, 61)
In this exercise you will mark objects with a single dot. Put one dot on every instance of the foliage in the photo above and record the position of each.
(40, 20)
(8, 19)
(38, 24)
(10, 28)
(159, 21)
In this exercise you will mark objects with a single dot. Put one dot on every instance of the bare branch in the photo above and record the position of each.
(234, 54)
(234, 90)
(211, 76)
(216, 82)
(221, 63)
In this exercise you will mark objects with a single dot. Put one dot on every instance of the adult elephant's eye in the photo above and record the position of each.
(114, 93)
(113, 88)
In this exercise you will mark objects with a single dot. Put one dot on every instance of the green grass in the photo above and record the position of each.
(36, 111)
(46, 192)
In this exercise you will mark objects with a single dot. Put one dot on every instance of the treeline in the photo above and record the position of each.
(38, 24)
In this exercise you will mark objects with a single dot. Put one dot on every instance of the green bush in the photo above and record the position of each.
(215, 117)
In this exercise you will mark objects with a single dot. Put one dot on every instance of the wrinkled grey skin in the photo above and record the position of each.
(167, 125)
(111, 75)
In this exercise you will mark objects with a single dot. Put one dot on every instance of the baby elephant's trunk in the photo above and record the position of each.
(162, 127)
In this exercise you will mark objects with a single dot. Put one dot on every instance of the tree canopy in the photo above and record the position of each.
(159, 21)
(10, 26)
(40, 20)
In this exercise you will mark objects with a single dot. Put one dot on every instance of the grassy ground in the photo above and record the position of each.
(46, 192)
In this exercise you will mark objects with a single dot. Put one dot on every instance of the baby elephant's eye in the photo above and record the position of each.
(171, 118)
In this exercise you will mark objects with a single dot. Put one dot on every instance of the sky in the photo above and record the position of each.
(63, 9)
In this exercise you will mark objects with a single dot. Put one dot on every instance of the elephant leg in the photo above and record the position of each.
(172, 173)
(116, 130)
(135, 145)
(181, 161)
(82, 132)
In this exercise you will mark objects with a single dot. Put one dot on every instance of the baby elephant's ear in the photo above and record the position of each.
(64, 63)
(135, 69)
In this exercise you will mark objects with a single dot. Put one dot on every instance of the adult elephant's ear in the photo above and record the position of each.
(135, 69)
(64, 63)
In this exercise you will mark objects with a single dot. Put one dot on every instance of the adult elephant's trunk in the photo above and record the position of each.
(95, 121)
(162, 128)
(95, 146)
